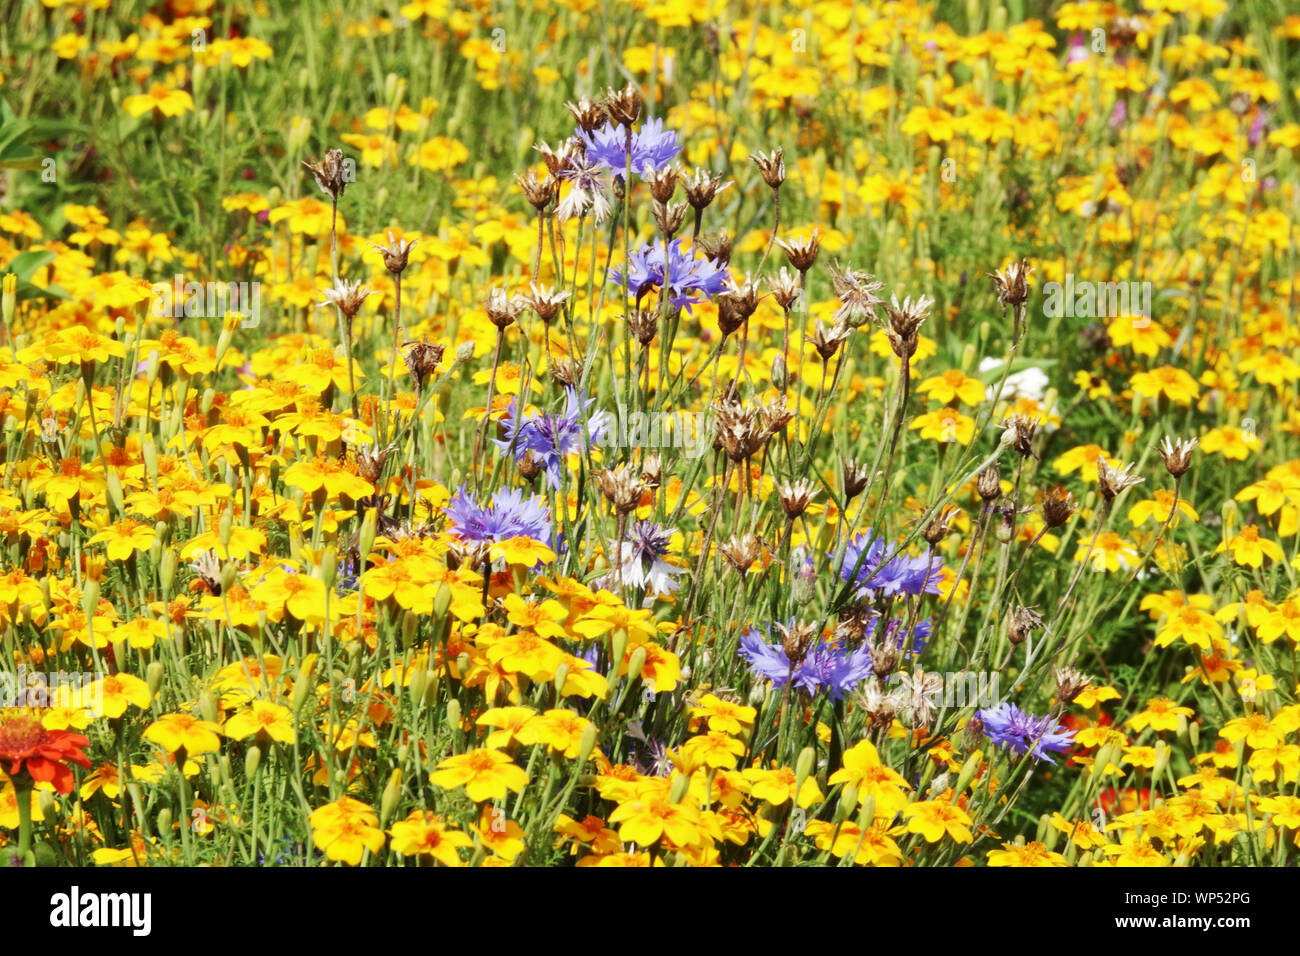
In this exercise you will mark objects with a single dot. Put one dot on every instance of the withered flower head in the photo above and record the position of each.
(1023, 620)
(796, 639)
(717, 247)
(396, 253)
(1022, 430)
(740, 299)
(775, 414)
(558, 160)
(880, 707)
(470, 554)
(422, 360)
(738, 430)
(796, 496)
(652, 472)
(828, 341)
(621, 486)
(940, 525)
(989, 482)
(1177, 454)
(785, 288)
(771, 166)
(669, 217)
(502, 309)
(540, 193)
(856, 476)
(208, 568)
(530, 466)
(643, 324)
(663, 183)
(566, 371)
(330, 173)
(370, 461)
(545, 301)
(586, 114)
(623, 106)
(1113, 481)
(856, 291)
(348, 296)
(1058, 507)
(1010, 283)
(801, 252)
(702, 187)
(904, 321)
(741, 552)
(1070, 683)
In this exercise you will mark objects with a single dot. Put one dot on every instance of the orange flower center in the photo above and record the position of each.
(20, 734)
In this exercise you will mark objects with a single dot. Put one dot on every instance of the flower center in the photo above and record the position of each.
(20, 733)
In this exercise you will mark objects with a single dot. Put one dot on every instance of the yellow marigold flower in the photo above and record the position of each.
(124, 538)
(1161, 713)
(500, 835)
(1271, 494)
(722, 715)
(301, 595)
(1095, 694)
(485, 774)
(1173, 383)
(1083, 459)
(1159, 508)
(559, 729)
(1249, 549)
(1285, 810)
(662, 670)
(1145, 338)
(1110, 553)
(1191, 625)
(937, 124)
(1254, 728)
(116, 691)
(945, 425)
(953, 385)
(716, 750)
(1282, 621)
(140, 633)
(647, 820)
(1082, 833)
(935, 819)
(175, 732)
(864, 769)
(1029, 855)
(167, 102)
(262, 717)
(345, 829)
(1230, 442)
(423, 833)
(871, 847)
(507, 723)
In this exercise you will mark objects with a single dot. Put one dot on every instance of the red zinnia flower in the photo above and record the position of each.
(25, 744)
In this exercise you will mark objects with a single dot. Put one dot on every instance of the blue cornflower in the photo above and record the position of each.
(885, 573)
(508, 516)
(825, 668)
(552, 438)
(653, 147)
(1009, 726)
(690, 280)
